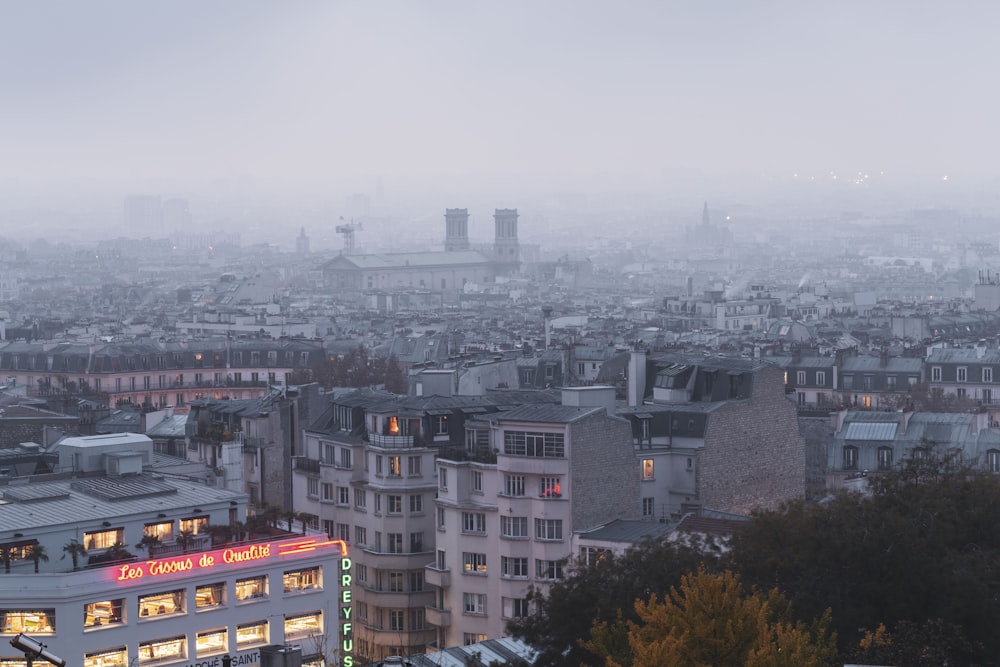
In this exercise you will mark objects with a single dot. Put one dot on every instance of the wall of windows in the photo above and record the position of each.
(527, 443)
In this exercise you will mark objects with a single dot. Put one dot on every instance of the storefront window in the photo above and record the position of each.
(163, 650)
(254, 588)
(303, 580)
(35, 621)
(105, 612)
(251, 634)
(303, 625)
(109, 657)
(210, 642)
(171, 602)
(210, 596)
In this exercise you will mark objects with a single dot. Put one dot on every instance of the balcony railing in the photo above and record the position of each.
(305, 464)
(392, 441)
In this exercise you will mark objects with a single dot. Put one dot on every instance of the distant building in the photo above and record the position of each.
(506, 249)
(176, 214)
(143, 214)
(302, 243)
(456, 229)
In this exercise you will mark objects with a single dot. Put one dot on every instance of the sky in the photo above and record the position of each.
(555, 91)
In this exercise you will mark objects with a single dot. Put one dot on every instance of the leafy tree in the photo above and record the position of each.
(36, 554)
(185, 540)
(708, 621)
(929, 644)
(148, 542)
(565, 613)
(75, 551)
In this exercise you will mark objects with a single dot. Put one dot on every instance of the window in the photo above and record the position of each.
(935, 373)
(395, 543)
(378, 464)
(515, 607)
(848, 381)
(361, 571)
(170, 649)
(29, 621)
(591, 555)
(378, 503)
(164, 530)
(195, 525)
(251, 634)
(395, 466)
(417, 619)
(884, 458)
(987, 375)
(647, 507)
(343, 495)
(474, 603)
(647, 470)
(820, 378)
(252, 588)
(474, 522)
(360, 501)
(513, 567)
(413, 466)
(109, 657)
(890, 382)
(548, 529)
(312, 487)
(342, 532)
(211, 596)
(441, 518)
(360, 535)
(960, 392)
(416, 581)
(850, 458)
(105, 612)
(474, 563)
(993, 460)
(327, 489)
(443, 478)
(210, 642)
(416, 543)
(800, 378)
(539, 445)
(299, 626)
(416, 504)
(477, 480)
(345, 458)
(396, 619)
(104, 539)
(394, 504)
(158, 604)
(440, 423)
(962, 374)
(470, 638)
(549, 487)
(514, 526)
(548, 569)
(513, 485)
(308, 579)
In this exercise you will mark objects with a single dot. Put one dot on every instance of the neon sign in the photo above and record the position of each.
(234, 555)
(346, 630)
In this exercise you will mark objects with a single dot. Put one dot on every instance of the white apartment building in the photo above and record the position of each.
(201, 586)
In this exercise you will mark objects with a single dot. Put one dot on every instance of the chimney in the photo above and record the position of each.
(636, 377)
(883, 358)
(904, 420)
(981, 348)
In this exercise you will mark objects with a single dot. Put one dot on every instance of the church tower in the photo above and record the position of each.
(506, 250)
(456, 222)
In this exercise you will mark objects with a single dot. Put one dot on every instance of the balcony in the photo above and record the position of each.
(392, 441)
(437, 577)
(305, 464)
(439, 617)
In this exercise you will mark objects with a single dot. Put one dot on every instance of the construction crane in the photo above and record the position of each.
(348, 230)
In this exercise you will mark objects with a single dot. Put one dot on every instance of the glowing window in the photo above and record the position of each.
(474, 562)
(104, 539)
(158, 604)
(211, 596)
(550, 487)
(196, 524)
(254, 588)
(304, 625)
(106, 612)
(108, 657)
(647, 469)
(163, 650)
(251, 634)
(210, 642)
(303, 580)
(29, 621)
(163, 530)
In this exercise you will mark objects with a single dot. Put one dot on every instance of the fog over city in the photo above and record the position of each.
(649, 106)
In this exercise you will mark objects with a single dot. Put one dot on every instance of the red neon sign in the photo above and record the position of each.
(232, 555)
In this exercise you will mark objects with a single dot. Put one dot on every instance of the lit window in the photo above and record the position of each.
(105, 612)
(163, 530)
(109, 657)
(550, 487)
(104, 539)
(158, 604)
(210, 642)
(647, 469)
(195, 525)
(441, 425)
(474, 562)
(303, 580)
(304, 625)
(251, 634)
(33, 621)
(253, 588)
(211, 596)
(173, 648)
(395, 466)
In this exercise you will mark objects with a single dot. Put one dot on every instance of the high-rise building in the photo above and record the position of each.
(143, 214)
(302, 243)
(456, 222)
(176, 214)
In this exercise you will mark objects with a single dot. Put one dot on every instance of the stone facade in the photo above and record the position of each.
(604, 471)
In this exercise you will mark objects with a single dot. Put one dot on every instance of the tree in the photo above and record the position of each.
(304, 518)
(928, 644)
(148, 542)
(597, 592)
(185, 540)
(36, 554)
(709, 621)
(394, 377)
(75, 550)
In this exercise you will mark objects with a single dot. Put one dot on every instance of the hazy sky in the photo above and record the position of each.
(321, 91)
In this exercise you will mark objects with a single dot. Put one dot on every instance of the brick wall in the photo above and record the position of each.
(604, 471)
(754, 455)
